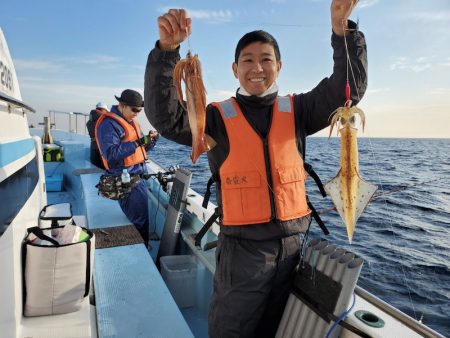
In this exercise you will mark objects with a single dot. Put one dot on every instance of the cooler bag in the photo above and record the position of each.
(56, 277)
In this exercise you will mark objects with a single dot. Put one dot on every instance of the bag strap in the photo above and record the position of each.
(40, 234)
(88, 266)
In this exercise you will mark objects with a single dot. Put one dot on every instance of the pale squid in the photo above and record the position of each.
(349, 192)
(189, 70)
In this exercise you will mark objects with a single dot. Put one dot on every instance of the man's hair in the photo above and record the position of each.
(257, 36)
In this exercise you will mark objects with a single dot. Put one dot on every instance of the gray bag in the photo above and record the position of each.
(57, 276)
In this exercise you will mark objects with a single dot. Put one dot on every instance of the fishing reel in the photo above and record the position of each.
(165, 177)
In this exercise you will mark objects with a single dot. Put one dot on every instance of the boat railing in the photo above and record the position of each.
(73, 122)
(14, 103)
(402, 317)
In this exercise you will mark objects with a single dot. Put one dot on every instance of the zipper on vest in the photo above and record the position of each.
(273, 211)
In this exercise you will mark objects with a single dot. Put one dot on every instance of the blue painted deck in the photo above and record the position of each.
(100, 212)
(132, 299)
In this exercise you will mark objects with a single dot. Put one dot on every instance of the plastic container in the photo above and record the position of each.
(125, 177)
(179, 273)
(54, 182)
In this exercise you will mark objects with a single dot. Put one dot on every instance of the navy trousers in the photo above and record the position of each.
(135, 207)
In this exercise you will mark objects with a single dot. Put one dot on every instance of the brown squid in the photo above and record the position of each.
(189, 71)
(349, 192)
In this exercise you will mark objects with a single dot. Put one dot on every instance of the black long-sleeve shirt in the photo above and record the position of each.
(312, 111)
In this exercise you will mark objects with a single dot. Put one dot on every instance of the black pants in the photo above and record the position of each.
(251, 286)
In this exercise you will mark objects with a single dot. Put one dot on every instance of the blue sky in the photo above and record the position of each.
(71, 54)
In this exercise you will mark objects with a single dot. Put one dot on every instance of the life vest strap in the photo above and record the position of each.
(206, 226)
(211, 181)
(309, 169)
(318, 219)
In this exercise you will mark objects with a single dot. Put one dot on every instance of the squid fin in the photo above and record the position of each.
(350, 212)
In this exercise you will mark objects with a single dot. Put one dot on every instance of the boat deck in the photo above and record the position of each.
(131, 297)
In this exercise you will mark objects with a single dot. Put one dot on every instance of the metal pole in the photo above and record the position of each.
(175, 210)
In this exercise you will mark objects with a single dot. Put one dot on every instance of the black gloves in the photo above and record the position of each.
(143, 140)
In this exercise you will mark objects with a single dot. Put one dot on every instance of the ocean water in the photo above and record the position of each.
(403, 235)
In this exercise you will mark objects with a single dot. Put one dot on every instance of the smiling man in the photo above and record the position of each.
(257, 163)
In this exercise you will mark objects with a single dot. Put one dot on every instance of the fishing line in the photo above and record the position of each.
(275, 24)
(378, 174)
(188, 39)
(399, 189)
(388, 192)
(390, 221)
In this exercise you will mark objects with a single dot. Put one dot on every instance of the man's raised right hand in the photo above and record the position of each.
(174, 27)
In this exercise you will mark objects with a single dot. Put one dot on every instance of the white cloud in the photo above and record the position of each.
(366, 3)
(45, 95)
(430, 17)
(219, 95)
(209, 15)
(417, 65)
(58, 64)
(378, 90)
(213, 15)
(48, 66)
(445, 63)
(96, 59)
(56, 89)
(440, 91)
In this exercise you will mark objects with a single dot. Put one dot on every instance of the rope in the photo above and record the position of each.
(341, 318)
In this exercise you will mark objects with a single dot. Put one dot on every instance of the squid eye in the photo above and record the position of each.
(343, 120)
(352, 119)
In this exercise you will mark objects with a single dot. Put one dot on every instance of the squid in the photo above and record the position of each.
(348, 191)
(189, 71)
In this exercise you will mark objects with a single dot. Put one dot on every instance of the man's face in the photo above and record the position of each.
(130, 112)
(257, 67)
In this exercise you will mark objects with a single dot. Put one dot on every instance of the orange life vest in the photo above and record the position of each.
(132, 133)
(261, 182)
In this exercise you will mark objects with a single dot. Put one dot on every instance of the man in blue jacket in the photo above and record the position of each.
(123, 146)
